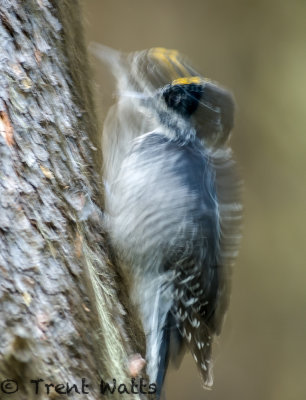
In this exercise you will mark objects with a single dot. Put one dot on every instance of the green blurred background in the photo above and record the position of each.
(258, 49)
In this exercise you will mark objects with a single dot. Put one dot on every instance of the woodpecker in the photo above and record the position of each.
(171, 201)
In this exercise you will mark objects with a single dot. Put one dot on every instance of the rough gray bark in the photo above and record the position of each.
(62, 317)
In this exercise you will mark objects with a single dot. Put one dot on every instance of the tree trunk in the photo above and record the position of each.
(62, 316)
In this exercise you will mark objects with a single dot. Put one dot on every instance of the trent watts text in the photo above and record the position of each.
(40, 386)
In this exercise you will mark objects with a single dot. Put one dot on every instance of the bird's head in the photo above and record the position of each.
(163, 80)
(203, 104)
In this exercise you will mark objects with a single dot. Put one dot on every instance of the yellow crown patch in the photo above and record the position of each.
(170, 59)
(187, 80)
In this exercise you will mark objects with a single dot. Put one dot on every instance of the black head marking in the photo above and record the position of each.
(183, 96)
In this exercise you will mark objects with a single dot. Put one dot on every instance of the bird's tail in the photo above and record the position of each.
(156, 317)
